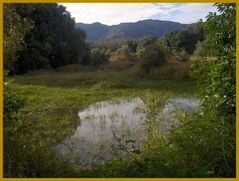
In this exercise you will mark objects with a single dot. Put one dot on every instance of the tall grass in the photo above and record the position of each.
(203, 146)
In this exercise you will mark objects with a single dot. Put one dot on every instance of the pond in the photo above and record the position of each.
(108, 125)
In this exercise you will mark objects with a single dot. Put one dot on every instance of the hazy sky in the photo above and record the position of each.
(115, 13)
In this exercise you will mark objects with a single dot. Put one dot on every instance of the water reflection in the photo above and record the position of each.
(94, 139)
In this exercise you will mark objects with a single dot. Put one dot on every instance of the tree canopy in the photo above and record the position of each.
(184, 39)
(52, 42)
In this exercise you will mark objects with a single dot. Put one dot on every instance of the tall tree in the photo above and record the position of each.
(53, 41)
(219, 76)
(14, 30)
(184, 39)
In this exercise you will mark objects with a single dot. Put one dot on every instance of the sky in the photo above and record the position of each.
(115, 13)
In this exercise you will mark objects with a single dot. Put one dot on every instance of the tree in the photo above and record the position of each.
(143, 43)
(154, 55)
(216, 77)
(98, 57)
(132, 46)
(219, 74)
(14, 30)
(184, 39)
(53, 41)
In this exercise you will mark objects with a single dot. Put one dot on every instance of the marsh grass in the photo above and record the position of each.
(49, 114)
(203, 145)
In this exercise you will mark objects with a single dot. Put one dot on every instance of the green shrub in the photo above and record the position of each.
(181, 56)
(217, 76)
(152, 57)
(12, 103)
(123, 50)
(98, 57)
(200, 48)
(205, 146)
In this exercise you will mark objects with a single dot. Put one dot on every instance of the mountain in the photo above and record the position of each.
(94, 31)
(98, 31)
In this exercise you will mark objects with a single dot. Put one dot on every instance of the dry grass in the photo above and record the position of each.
(130, 57)
(118, 62)
(171, 70)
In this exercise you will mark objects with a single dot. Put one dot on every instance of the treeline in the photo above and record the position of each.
(184, 39)
(152, 51)
(41, 36)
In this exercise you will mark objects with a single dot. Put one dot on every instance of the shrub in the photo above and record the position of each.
(12, 103)
(217, 77)
(181, 56)
(171, 70)
(153, 56)
(123, 50)
(98, 57)
(200, 48)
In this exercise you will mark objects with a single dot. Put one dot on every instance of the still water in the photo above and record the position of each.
(107, 124)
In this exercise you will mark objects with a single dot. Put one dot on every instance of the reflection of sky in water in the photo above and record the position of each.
(93, 141)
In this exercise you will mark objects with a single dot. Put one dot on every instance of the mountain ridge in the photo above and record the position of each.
(99, 31)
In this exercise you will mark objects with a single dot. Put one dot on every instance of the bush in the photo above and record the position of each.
(200, 48)
(217, 77)
(12, 103)
(123, 50)
(98, 57)
(181, 56)
(153, 56)
(205, 146)
(171, 70)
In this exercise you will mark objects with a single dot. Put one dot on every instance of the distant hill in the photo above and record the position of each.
(98, 31)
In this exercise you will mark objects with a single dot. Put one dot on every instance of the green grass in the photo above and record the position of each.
(108, 79)
(57, 97)
(52, 101)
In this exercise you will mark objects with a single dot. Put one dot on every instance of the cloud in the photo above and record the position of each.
(115, 13)
(190, 12)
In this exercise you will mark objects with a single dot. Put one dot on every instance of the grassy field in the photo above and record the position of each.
(56, 97)
(53, 98)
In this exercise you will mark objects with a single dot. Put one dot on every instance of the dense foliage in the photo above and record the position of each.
(153, 56)
(15, 29)
(12, 103)
(217, 76)
(184, 39)
(99, 57)
(52, 42)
